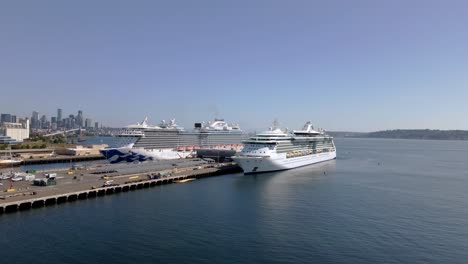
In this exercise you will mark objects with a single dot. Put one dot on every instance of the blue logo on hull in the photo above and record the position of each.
(116, 156)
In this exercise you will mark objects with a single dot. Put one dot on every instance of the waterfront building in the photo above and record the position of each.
(6, 140)
(81, 150)
(15, 131)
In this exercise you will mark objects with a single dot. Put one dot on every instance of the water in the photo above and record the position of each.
(381, 201)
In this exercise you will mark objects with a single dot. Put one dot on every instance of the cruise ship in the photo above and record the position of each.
(276, 149)
(170, 141)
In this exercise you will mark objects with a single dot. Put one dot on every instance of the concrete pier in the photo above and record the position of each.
(24, 203)
(62, 159)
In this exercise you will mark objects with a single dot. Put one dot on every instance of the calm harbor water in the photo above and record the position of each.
(381, 201)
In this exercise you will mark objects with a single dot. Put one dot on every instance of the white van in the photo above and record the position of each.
(51, 175)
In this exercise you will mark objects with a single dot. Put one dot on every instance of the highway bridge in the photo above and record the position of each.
(65, 132)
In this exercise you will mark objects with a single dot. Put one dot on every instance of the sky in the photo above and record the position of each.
(343, 65)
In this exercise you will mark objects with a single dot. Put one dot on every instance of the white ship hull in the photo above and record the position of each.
(162, 154)
(256, 164)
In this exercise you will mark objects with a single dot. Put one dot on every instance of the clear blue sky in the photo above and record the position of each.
(344, 65)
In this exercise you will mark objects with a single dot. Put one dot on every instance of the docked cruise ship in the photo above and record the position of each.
(170, 141)
(276, 149)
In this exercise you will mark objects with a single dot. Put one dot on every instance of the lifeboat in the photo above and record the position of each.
(181, 148)
(196, 147)
(189, 148)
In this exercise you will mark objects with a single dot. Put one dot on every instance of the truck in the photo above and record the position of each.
(51, 175)
(153, 176)
(40, 182)
(28, 177)
(108, 183)
(165, 173)
(44, 182)
(51, 181)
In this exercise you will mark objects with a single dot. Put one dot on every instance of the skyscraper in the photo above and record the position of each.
(79, 119)
(72, 123)
(88, 123)
(43, 123)
(59, 115)
(35, 119)
(59, 118)
(35, 115)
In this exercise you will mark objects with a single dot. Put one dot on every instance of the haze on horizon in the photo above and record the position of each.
(349, 66)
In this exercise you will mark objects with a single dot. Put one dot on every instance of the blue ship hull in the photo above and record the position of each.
(116, 155)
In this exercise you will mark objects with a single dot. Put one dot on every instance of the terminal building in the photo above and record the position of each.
(13, 133)
(81, 150)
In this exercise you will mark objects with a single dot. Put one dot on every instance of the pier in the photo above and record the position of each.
(61, 159)
(54, 195)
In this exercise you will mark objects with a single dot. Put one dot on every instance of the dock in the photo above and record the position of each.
(91, 184)
(61, 159)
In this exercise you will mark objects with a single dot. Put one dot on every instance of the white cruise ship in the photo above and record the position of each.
(170, 141)
(276, 150)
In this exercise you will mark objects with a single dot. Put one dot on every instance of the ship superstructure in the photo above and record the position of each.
(276, 149)
(170, 141)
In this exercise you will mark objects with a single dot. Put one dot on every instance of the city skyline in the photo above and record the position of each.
(357, 66)
(49, 121)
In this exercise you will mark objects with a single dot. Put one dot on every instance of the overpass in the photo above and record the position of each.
(64, 132)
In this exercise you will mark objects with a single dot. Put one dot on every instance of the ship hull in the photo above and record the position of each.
(252, 164)
(163, 154)
(123, 154)
(128, 154)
